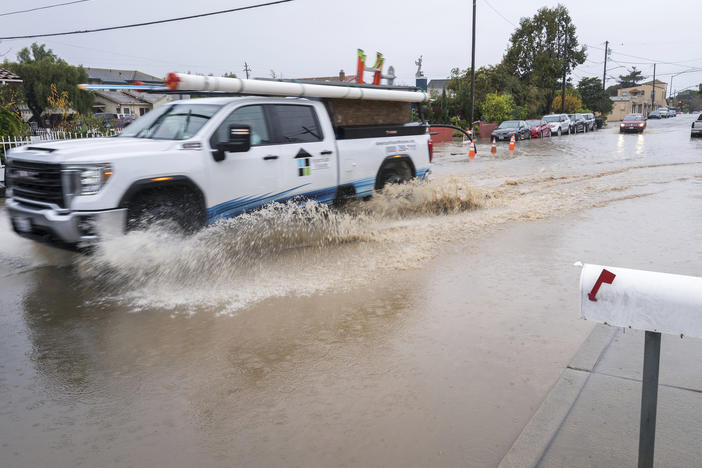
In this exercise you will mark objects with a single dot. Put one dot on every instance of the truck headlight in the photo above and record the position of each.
(87, 179)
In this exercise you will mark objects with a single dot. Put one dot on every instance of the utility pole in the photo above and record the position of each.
(653, 93)
(472, 73)
(565, 64)
(247, 70)
(604, 75)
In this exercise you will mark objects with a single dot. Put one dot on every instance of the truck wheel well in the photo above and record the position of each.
(182, 202)
(395, 169)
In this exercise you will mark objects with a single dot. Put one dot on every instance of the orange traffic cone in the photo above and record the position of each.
(512, 143)
(471, 152)
(493, 150)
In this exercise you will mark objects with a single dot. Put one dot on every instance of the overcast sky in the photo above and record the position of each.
(307, 38)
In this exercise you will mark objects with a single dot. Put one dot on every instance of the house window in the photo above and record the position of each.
(119, 110)
(142, 111)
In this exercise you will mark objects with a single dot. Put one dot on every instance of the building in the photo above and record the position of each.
(124, 102)
(116, 76)
(8, 78)
(637, 100)
(127, 102)
(438, 85)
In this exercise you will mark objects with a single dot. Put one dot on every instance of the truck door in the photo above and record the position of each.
(308, 154)
(246, 180)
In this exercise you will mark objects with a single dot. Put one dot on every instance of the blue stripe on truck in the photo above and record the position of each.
(237, 206)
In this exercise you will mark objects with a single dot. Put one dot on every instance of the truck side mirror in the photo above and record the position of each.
(239, 141)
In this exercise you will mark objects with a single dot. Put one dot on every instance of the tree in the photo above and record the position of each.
(40, 68)
(10, 125)
(631, 79)
(496, 108)
(573, 103)
(594, 97)
(539, 49)
(691, 100)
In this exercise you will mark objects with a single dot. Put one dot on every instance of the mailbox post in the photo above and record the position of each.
(644, 300)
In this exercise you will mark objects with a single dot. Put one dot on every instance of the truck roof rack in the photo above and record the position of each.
(304, 88)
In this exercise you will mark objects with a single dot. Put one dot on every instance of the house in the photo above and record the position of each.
(116, 76)
(438, 85)
(124, 102)
(127, 102)
(637, 100)
(8, 78)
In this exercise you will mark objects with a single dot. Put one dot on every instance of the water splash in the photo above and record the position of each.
(281, 249)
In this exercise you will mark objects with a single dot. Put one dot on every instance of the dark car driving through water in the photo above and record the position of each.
(635, 123)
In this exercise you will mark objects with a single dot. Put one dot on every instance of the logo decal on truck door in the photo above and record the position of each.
(303, 163)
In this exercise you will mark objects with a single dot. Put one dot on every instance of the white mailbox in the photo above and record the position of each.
(644, 300)
(654, 302)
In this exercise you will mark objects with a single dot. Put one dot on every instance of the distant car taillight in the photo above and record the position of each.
(430, 144)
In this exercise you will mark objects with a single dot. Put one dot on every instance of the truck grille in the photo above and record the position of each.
(36, 181)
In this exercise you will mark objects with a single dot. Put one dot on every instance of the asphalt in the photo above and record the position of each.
(590, 418)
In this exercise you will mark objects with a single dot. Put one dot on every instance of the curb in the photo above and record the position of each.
(536, 437)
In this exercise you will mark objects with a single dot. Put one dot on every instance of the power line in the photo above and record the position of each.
(42, 8)
(499, 14)
(148, 23)
(652, 61)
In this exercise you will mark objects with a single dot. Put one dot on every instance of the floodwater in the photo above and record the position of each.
(421, 328)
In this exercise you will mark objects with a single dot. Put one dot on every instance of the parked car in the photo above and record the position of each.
(696, 129)
(634, 123)
(664, 112)
(590, 120)
(655, 115)
(559, 123)
(600, 122)
(539, 128)
(578, 123)
(506, 129)
(672, 112)
(107, 119)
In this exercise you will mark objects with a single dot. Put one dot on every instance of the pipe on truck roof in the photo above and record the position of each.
(183, 81)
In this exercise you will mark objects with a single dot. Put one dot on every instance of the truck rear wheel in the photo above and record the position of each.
(394, 172)
(176, 210)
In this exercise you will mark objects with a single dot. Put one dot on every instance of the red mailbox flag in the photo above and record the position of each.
(605, 277)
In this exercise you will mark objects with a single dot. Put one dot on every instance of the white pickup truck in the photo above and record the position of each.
(197, 161)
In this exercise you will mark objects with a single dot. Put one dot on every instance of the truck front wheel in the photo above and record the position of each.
(177, 210)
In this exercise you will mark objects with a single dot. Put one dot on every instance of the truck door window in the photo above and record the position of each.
(297, 124)
(254, 117)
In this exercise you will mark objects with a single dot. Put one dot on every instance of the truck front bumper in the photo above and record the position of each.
(63, 228)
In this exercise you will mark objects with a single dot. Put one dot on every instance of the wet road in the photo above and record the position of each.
(422, 328)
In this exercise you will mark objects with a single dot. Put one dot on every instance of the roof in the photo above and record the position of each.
(116, 76)
(118, 97)
(658, 84)
(6, 76)
(145, 97)
(438, 84)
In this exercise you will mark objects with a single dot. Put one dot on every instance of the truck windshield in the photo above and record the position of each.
(175, 122)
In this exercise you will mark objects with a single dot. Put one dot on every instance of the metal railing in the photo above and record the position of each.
(44, 135)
